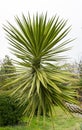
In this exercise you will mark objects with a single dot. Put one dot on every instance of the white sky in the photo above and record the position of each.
(67, 9)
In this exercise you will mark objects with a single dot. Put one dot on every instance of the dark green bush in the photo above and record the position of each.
(10, 114)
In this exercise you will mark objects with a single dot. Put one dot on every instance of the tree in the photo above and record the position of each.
(38, 44)
(80, 80)
(7, 69)
(80, 68)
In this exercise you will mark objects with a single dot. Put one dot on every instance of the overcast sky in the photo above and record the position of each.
(66, 9)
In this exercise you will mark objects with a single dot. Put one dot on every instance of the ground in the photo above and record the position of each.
(61, 122)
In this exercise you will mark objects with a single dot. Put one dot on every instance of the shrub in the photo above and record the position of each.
(10, 114)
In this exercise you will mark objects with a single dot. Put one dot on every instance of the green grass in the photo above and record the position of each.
(61, 122)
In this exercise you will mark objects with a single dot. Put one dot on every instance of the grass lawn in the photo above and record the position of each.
(61, 122)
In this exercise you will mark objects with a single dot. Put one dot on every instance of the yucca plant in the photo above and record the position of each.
(40, 82)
